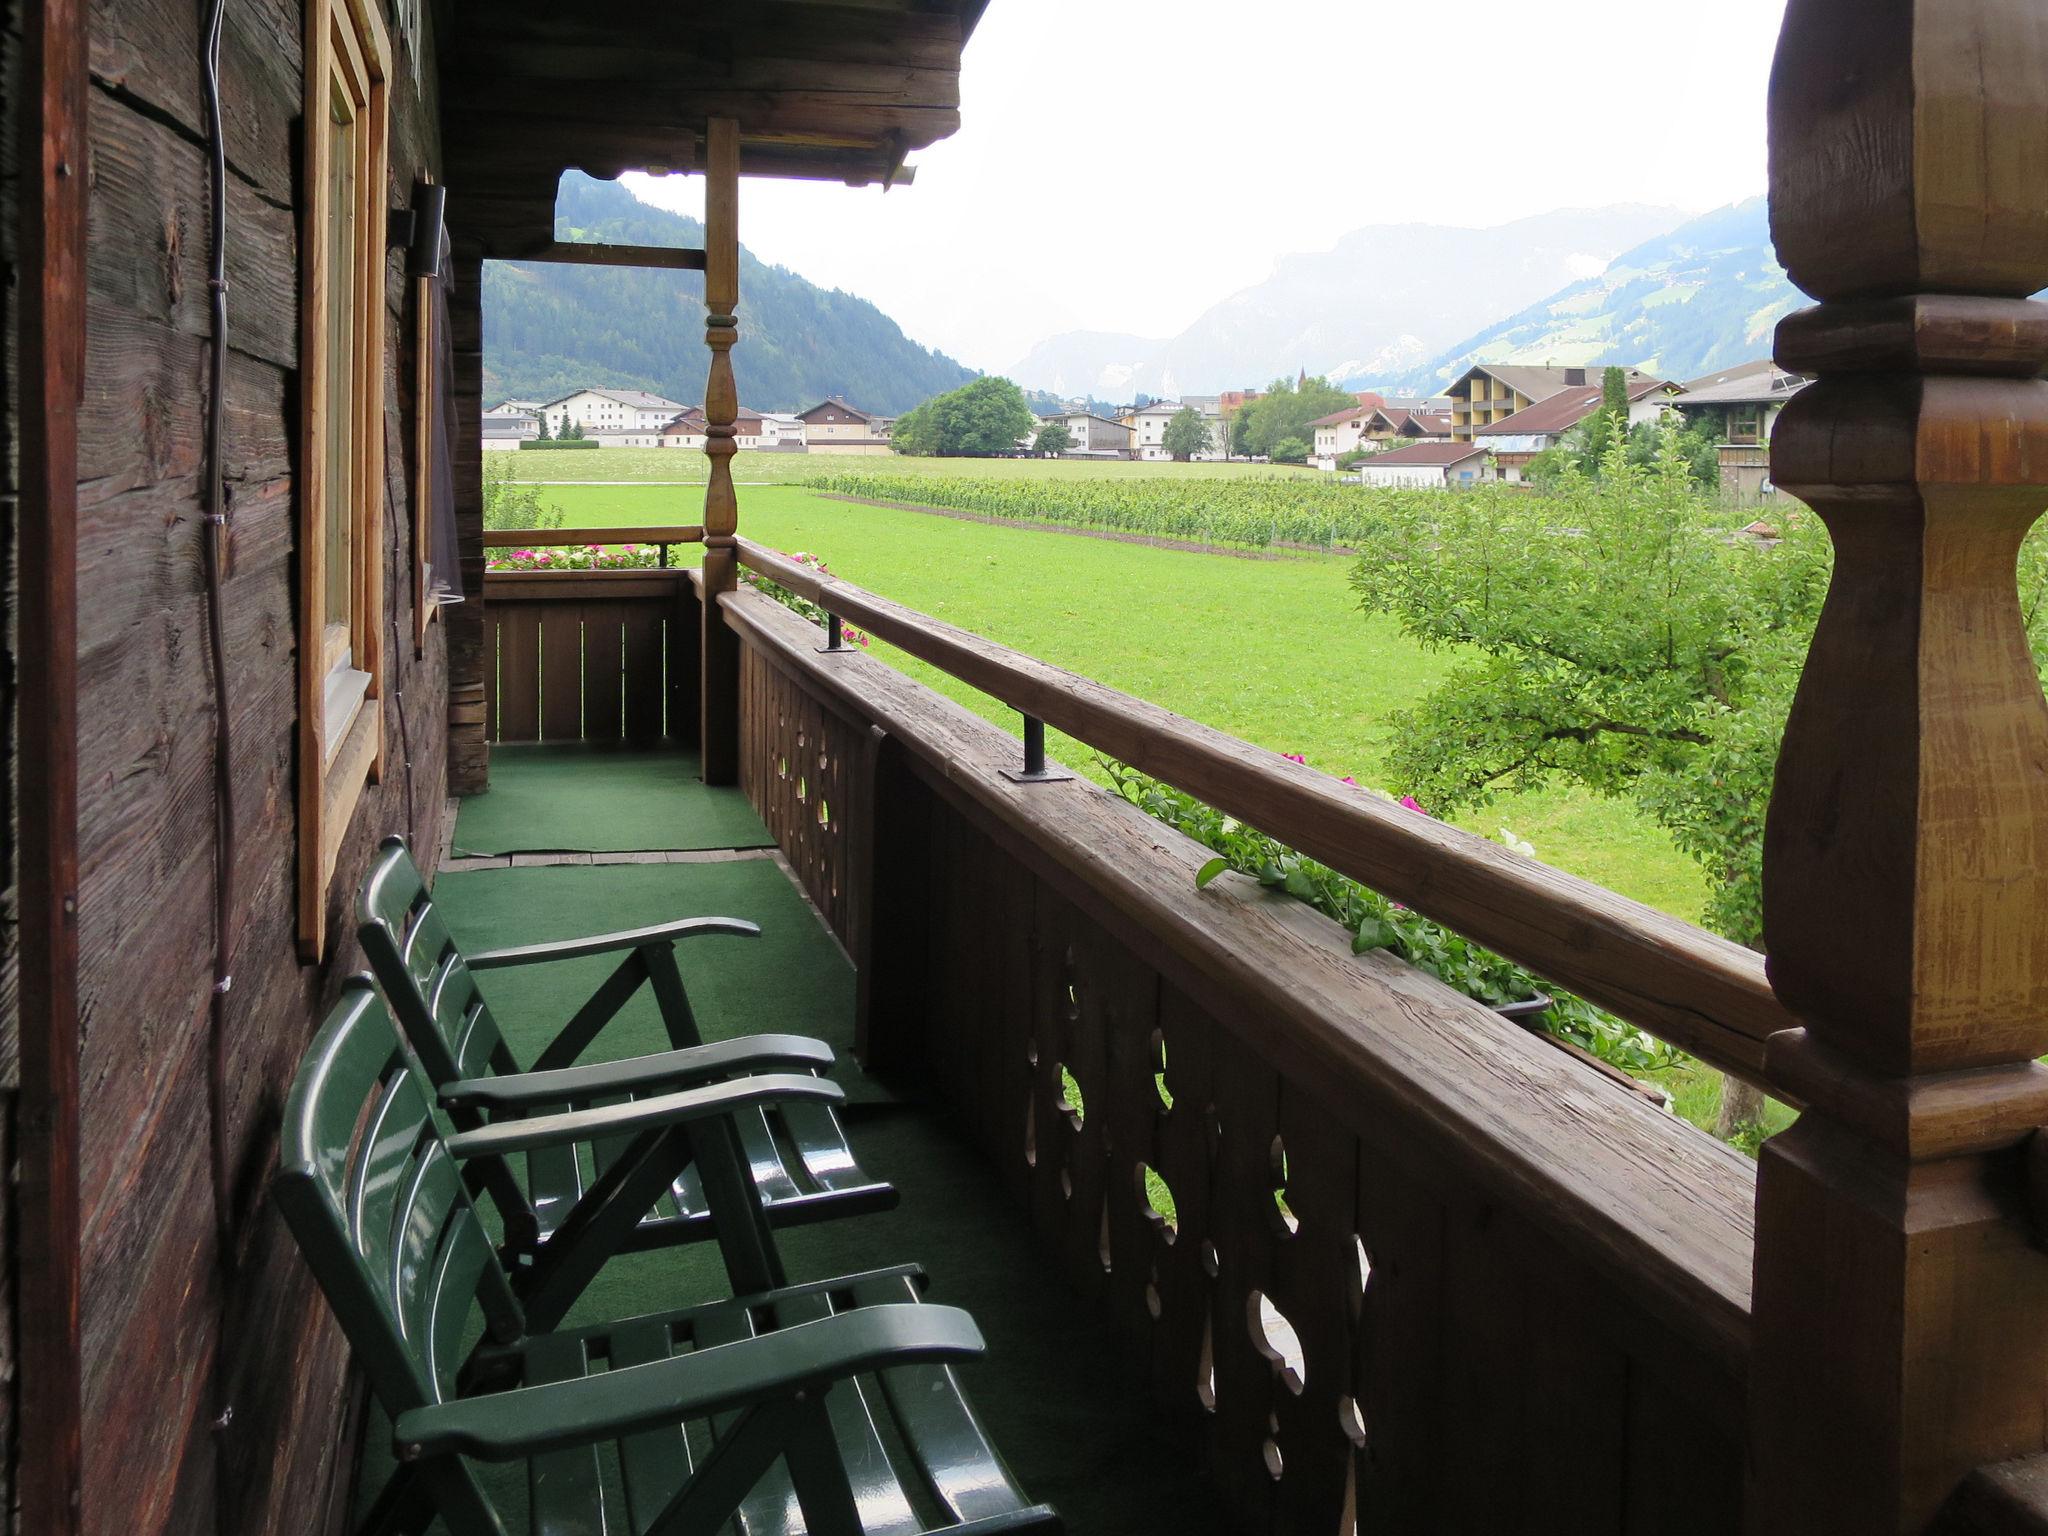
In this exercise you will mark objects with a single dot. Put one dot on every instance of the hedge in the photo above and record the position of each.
(556, 442)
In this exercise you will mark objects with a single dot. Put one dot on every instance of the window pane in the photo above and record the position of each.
(341, 243)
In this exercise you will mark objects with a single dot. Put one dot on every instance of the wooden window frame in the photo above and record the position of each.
(341, 737)
(427, 385)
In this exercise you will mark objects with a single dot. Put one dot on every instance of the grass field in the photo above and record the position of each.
(626, 465)
(1273, 650)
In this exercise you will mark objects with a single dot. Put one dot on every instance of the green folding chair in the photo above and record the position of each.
(828, 1409)
(564, 1222)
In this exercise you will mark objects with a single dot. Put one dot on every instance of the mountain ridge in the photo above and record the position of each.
(1685, 303)
(551, 327)
(1430, 284)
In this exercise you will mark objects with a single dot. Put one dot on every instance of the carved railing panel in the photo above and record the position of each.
(801, 768)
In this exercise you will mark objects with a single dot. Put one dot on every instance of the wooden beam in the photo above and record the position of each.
(46, 1259)
(672, 258)
(719, 698)
(1901, 1308)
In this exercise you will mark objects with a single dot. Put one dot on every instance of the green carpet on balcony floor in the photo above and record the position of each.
(588, 799)
(1060, 1392)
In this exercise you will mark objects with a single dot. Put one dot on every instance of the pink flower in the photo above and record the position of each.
(1412, 804)
(543, 558)
(1351, 781)
(522, 554)
(1295, 757)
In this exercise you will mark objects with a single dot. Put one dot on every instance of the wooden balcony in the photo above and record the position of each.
(1341, 1220)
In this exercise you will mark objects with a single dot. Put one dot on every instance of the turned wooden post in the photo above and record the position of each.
(719, 697)
(1901, 1310)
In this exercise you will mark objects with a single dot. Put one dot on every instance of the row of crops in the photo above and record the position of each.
(1253, 511)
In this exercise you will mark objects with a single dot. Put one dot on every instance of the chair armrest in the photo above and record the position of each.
(610, 943)
(580, 1125)
(694, 1064)
(722, 1379)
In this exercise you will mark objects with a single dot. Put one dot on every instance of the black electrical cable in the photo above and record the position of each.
(214, 546)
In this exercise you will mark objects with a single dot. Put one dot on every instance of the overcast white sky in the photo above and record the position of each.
(1124, 164)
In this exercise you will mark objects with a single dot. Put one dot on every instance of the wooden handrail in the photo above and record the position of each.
(1702, 993)
(556, 538)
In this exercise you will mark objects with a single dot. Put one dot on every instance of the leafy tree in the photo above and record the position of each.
(1285, 411)
(1186, 434)
(986, 416)
(1290, 450)
(1055, 438)
(1614, 392)
(510, 504)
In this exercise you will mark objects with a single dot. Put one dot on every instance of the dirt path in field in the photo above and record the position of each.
(1188, 546)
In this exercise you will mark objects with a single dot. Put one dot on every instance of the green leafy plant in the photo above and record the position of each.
(1374, 922)
(510, 504)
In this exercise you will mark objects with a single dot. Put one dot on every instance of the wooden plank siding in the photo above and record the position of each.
(154, 1316)
(1421, 1270)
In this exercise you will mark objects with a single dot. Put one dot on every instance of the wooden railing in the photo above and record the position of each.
(1675, 980)
(600, 656)
(1401, 1266)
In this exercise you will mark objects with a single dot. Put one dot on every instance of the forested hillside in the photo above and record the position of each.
(1706, 296)
(549, 328)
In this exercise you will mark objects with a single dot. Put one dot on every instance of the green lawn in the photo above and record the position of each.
(753, 467)
(1273, 650)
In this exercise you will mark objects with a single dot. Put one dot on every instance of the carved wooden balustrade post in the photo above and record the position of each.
(1901, 1312)
(720, 654)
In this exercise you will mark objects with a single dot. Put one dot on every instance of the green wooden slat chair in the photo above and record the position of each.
(829, 1409)
(562, 1225)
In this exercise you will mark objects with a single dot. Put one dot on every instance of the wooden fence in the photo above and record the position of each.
(600, 656)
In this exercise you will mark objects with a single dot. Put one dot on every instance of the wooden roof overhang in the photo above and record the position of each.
(821, 91)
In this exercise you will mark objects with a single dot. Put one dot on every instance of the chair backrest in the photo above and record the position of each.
(423, 973)
(381, 1214)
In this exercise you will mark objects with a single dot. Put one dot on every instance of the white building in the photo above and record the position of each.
(1426, 466)
(1092, 436)
(507, 432)
(1148, 431)
(1338, 434)
(782, 429)
(617, 418)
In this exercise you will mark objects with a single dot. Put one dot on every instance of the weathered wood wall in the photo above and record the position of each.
(10, 491)
(1418, 1272)
(154, 1312)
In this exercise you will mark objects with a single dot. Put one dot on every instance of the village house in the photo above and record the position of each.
(515, 408)
(833, 426)
(1515, 440)
(1743, 404)
(1489, 392)
(1376, 423)
(1426, 466)
(620, 418)
(1092, 436)
(503, 432)
(1148, 428)
(751, 429)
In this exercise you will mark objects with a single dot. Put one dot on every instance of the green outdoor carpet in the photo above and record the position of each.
(587, 799)
(1061, 1393)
